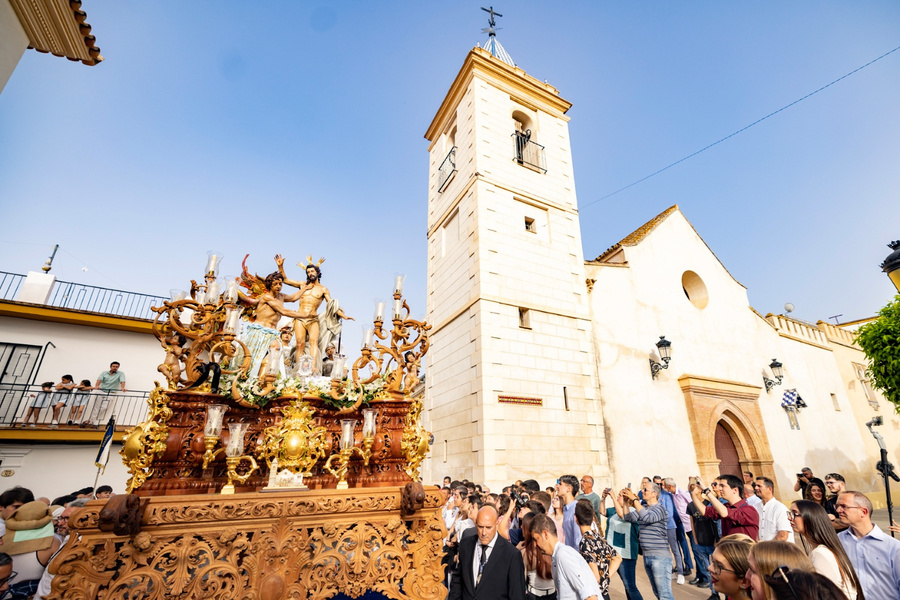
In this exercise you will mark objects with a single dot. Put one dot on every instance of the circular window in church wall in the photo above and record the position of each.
(694, 289)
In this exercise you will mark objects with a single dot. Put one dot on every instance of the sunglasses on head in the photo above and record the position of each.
(780, 573)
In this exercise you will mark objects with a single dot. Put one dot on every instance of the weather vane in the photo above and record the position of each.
(491, 22)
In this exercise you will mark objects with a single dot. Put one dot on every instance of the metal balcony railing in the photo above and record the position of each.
(447, 169)
(16, 399)
(528, 153)
(88, 298)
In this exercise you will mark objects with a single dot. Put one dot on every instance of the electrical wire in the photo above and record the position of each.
(741, 130)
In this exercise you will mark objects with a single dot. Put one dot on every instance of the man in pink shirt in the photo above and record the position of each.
(681, 499)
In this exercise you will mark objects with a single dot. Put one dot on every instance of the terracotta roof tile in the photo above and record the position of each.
(58, 27)
(640, 233)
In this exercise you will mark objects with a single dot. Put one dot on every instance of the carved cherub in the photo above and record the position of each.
(171, 366)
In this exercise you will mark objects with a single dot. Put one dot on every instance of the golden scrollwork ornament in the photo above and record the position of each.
(297, 443)
(416, 439)
(147, 440)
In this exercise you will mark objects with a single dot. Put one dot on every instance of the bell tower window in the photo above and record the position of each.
(528, 152)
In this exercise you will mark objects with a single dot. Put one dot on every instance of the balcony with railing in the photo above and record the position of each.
(529, 153)
(83, 412)
(87, 298)
(447, 169)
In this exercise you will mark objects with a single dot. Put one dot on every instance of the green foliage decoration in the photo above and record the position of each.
(880, 340)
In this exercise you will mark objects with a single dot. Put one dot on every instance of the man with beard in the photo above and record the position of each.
(311, 294)
(270, 308)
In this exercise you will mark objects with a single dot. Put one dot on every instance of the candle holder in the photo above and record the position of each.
(347, 447)
(234, 457)
(212, 432)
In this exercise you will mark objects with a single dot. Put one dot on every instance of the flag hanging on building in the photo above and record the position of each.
(103, 452)
(790, 398)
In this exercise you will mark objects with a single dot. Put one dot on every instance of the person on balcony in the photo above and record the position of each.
(63, 394)
(79, 401)
(108, 382)
(41, 401)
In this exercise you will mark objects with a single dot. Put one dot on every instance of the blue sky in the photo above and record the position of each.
(297, 127)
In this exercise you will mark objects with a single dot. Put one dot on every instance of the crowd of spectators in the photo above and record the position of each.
(32, 531)
(733, 535)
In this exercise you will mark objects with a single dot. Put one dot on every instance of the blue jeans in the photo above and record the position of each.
(686, 548)
(676, 550)
(702, 554)
(626, 574)
(659, 571)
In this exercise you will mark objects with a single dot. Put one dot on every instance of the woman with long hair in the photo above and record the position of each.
(538, 566)
(800, 585)
(556, 513)
(823, 547)
(765, 557)
(815, 493)
(728, 568)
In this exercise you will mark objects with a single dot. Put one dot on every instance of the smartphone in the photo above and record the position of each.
(607, 491)
(628, 486)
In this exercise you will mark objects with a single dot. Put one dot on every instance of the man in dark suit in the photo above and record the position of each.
(489, 568)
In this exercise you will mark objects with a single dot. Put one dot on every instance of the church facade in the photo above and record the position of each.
(541, 360)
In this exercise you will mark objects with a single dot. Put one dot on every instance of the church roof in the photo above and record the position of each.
(497, 50)
(58, 27)
(640, 233)
(635, 237)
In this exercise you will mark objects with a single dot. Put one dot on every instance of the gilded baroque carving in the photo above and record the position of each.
(147, 440)
(296, 442)
(348, 543)
(416, 440)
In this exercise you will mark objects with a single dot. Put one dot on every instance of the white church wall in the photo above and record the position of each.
(632, 307)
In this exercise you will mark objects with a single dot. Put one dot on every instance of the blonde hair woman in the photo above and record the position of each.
(765, 557)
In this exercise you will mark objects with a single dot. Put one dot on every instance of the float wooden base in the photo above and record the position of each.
(269, 546)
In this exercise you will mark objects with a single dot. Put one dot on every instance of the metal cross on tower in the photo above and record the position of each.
(491, 22)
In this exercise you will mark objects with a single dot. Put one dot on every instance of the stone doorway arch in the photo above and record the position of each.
(733, 406)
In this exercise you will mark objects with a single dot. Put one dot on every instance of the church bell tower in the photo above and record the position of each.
(511, 376)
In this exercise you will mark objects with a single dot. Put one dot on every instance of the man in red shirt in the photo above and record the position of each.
(736, 515)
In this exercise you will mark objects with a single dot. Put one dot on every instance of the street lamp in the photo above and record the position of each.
(664, 347)
(777, 371)
(891, 264)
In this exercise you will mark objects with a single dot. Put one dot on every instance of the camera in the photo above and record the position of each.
(879, 420)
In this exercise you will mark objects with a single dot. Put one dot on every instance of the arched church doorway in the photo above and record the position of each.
(726, 452)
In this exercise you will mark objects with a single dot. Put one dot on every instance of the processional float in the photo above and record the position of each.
(254, 476)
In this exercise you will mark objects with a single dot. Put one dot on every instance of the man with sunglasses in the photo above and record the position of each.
(874, 555)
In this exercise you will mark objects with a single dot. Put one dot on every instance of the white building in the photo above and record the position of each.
(540, 363)
(49, 329)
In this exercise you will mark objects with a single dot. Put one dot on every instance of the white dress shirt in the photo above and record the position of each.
(774, 519)
(476, 559)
